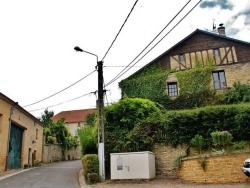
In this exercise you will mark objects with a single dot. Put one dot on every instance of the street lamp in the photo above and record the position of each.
(100, 106)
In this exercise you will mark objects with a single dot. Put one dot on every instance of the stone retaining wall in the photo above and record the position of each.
(218, 169)
(165, 157)
(53, 153)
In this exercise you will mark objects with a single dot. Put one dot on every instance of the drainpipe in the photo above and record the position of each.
(8, 139)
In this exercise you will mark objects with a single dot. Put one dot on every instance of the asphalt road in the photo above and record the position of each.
(62, 174)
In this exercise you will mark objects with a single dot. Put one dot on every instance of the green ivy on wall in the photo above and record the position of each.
(196, 80)
(149, 84)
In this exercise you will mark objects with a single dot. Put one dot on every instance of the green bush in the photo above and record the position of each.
(221, 139)
(198, 142)
(90, 166)
(179, 127)
(51, 140)
(239, 145)
(88, 139)
(239, 93)
(129, 125)
(92, 178)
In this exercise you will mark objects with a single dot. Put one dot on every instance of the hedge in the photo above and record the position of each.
(179, 127)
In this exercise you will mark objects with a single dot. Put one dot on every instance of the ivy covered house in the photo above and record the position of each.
(202, 63)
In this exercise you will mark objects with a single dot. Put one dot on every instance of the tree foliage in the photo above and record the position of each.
(57, 132)
(91, 118)
(88, 139)
(239, 93)
(46, 117)
(130, 123)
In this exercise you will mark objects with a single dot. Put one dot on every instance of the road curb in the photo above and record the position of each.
(82, 180)
(12, 173)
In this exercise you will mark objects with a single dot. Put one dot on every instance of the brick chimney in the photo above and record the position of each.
(221, 30)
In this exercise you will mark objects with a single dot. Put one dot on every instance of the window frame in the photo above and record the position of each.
(181, 58)
(216, 52)
(222, 82)
(172, 92)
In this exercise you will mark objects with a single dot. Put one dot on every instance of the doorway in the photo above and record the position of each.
(15, 147)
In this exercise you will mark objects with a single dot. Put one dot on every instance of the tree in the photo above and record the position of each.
(90, 119)
(88, 139)
(57, 132)
(130, 124)
(46, 117)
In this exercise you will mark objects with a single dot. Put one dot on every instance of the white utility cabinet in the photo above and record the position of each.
(133, 165)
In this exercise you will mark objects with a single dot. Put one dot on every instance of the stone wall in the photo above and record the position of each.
(218, 169)
(53, 153)
(165, 157)
(238, 72)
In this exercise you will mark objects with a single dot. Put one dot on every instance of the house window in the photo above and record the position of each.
(182, 58)
(172, 89)
(219, 80)
(216, 53)
(36, 134)
(1, 122)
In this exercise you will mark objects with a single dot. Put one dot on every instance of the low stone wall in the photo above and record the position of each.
(165, 157)
(218, 169)
(53, 153)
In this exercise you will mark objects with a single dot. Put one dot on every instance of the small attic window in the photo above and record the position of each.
(216, 53)
(181, 58)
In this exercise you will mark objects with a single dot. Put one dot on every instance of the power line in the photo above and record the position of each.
(60, 90)
(118, 75)
(122, 73)
(61, 102)
(120, 29)
(120, 66)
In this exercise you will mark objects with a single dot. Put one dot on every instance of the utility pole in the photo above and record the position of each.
(101, 121)
(100, 107)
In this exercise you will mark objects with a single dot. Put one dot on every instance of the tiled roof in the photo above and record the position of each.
(73, 116)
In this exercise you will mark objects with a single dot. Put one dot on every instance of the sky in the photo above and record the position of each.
(41, 70)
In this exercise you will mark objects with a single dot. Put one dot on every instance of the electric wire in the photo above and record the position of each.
(60, 90)
(120, 29)
(122, 73)
(119, 66)
(114, 79)
(117, 76)
(61, 102)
